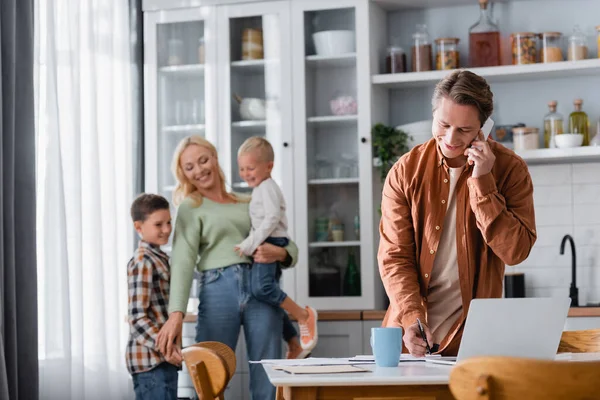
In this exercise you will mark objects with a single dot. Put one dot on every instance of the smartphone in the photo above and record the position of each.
(487, 128)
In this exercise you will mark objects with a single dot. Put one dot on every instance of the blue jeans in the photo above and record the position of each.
(265, 286)
(160, 383)
(226, 304)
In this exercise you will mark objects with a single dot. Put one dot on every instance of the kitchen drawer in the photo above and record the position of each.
(189, 330)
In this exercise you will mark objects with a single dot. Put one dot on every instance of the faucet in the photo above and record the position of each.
(573, 291)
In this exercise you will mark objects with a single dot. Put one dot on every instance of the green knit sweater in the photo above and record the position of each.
(204, 239)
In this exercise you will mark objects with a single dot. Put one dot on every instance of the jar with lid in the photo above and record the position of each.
(175, 52)
(551, 47)
(447, 56)
(484, 39)
(525, 138)
(524, 48)
(395, 61)
(252, 44)
(578, 49)
(421, 50)
(579, 123)
(553, 125)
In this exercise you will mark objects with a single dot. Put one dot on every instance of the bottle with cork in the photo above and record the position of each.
(484, 39)
(553, 125)
(579, 123)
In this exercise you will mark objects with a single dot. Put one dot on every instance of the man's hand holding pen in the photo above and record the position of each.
(413, 340)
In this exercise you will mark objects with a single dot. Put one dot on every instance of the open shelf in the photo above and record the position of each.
(564, 156)
(504, 73)
(337, 61)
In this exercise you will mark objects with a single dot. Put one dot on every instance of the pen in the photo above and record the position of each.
(423, 336)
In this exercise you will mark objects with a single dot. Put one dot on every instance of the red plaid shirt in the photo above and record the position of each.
(148, 280)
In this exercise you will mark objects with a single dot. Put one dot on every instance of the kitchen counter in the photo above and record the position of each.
(377, 315)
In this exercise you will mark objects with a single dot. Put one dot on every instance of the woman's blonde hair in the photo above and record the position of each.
(184, 187)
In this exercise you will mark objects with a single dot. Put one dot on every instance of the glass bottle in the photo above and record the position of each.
(553, 125)
(484, 40)
(578, 122)
(577, 49)
(596, 139)
(352, 277)
(421, 50)
(357, 227)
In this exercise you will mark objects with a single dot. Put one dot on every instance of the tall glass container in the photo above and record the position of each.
(421, 50)
(578, 122)
(578, 49)
(484, 40)
(553, 125)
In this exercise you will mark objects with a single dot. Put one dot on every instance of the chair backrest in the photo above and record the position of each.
(211, 366)
(504, 378)
(587, 341)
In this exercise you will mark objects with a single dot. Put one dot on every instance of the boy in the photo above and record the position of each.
(269, 224)
(154, 376)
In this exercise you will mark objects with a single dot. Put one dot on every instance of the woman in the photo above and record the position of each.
(210, 222)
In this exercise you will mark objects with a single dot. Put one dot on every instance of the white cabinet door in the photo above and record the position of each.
(254, 60)
(180, 55)
(332, 176)
(339, 339)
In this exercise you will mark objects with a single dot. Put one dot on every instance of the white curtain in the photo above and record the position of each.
(84, 188)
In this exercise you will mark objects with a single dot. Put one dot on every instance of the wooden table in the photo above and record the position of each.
(408, 381)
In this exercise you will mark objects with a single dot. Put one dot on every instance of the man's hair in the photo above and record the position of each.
(466, 88)
(260, 145)
(145, 204)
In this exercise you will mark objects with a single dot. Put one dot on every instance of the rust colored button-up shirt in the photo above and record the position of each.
(495, 225)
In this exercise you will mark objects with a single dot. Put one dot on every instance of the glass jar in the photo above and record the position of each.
(175, 52)
(553, 125)
(421, 50)
(551, 47)
(524, 48)
(578, 49)
(395, 60)
(447, 56)
(484, 40)
(252, 44)
(526, 138)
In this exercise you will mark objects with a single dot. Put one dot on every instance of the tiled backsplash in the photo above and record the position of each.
(567, 201)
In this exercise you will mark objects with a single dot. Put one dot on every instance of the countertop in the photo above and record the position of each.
(377, 315)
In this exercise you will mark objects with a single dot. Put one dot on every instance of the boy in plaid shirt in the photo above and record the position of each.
(148, 273)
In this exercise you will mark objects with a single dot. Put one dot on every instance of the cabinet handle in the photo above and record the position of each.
(285, 144)
(363, 140)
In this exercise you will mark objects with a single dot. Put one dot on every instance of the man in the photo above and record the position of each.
(455, 210)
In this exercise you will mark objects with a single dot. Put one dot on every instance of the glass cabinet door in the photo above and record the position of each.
(179, 94)
(329, 177)
(255, 61)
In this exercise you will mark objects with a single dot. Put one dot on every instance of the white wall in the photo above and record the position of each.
(567, 200)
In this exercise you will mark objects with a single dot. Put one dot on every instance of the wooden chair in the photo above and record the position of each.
(504, 378)
(587, 341)
(211, 366)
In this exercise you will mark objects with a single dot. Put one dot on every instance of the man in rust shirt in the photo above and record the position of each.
(455, 210)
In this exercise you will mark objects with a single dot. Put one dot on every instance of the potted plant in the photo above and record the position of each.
(389, 144)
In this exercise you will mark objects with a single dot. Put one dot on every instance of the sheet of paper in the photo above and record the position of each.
(321, 369)
(403, 357)
(313, 361)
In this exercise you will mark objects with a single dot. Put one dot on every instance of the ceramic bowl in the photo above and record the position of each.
(568, 140)
(253, 109)
(329, 43)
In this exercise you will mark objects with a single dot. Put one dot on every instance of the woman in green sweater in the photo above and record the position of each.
(210, 223)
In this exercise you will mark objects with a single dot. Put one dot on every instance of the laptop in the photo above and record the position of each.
(516, 327)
